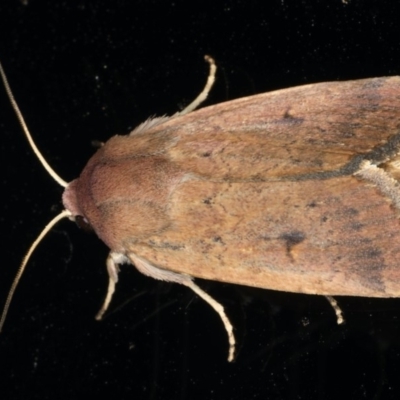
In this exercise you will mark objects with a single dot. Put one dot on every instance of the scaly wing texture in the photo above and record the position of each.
(260, 191)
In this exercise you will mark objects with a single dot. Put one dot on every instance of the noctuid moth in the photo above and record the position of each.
(293, 190)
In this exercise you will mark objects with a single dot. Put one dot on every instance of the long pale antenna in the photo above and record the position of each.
(21, 120)
(63, 214)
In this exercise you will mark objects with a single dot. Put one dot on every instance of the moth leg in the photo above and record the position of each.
(113, 260)
(204, 93)
(220, 311)
(336, 308)
(157, 273)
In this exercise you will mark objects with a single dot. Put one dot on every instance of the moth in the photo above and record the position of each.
(294, 190)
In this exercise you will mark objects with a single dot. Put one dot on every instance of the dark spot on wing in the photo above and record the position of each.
(292, 239)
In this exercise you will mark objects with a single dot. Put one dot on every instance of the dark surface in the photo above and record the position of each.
(83, 71)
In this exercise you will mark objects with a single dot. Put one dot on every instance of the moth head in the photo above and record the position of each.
(101, 200)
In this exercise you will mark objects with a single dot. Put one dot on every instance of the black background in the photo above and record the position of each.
(85, 70)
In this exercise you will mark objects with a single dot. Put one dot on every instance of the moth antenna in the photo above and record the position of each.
(52, 173)
(21, 120)
(204, 93)
(63, 214)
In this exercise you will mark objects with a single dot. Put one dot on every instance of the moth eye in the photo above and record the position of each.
(83, 223)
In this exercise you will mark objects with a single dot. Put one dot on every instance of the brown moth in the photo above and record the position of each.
(294, 190)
